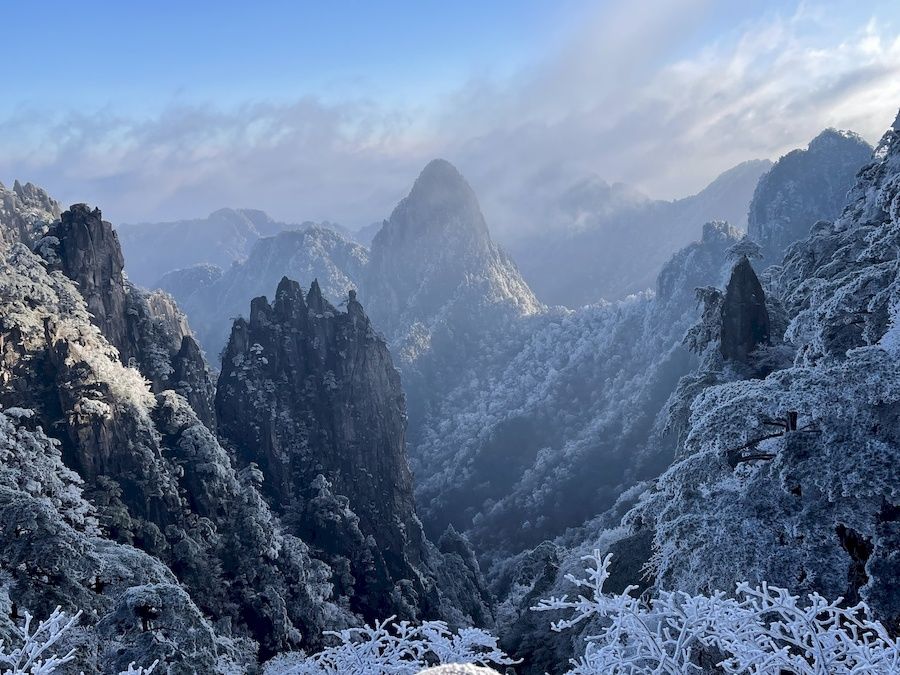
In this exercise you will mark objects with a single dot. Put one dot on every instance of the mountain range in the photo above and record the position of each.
(410, 431)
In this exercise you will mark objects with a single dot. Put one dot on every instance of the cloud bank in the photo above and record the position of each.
(623, 99)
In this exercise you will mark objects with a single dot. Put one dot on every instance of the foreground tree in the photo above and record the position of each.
(762, 630)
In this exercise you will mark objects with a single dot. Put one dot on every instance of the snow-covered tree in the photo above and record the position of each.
(760, 630)
(393, 648)
(34, 652)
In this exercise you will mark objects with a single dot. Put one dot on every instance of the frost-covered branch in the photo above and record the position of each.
(394, 648)
(761, 630)
(33, 657)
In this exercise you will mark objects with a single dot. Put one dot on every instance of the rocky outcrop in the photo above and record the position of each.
(86, 249)
(155, 475)
(309, 394)
(336, 409)
(803, 187)
(745, 319)
(25, 213)
(147, 329)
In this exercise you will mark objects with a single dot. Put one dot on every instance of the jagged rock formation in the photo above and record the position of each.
(213, 299)
(86, 249)
(25, 213)
(156, 478)
(803, 187)
(147, 329)
(745, 319)
(606, 242)
(309, 394)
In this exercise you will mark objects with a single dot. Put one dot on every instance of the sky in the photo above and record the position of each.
(328, 111)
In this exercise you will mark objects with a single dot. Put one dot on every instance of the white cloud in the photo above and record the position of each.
(612, 101)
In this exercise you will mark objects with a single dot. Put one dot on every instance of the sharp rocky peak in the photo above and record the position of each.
(147, 329)
(436, 251)
(440, 200)
(309, 394)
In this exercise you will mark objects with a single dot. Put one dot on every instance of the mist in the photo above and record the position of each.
(627, 95)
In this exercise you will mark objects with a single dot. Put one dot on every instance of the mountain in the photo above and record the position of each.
(810, 505)
(160, 531)
(310, 395)
(784, 433)
(435, 255)
(803, 187)
(561, 411)
(212, 298)
(606, 242)
(25, 212)
(223, 237)
(120, 500)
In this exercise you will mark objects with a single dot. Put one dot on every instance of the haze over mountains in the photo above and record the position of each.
(601, 242)
(224, 237)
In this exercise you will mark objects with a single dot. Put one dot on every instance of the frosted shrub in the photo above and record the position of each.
(31, 656)
(394, 649)
(761, 630)
(34, 654)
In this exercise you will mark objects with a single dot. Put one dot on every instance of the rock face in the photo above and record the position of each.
(156, 479)
(745, 319)
(803, 187)
(25, 213)
(310, 395)
(435, 251)
(147, 329)
(213, 299)
(86, 249)
(337, 409)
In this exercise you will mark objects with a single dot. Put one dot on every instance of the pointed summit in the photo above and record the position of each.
(315, 299)
(441, 183)
(436, 249)
(745, 319)
(440, 201)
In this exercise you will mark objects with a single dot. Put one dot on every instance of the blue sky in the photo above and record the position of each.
(138, 55)
(327, 110)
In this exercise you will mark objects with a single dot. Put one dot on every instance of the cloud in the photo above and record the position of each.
(629, 97)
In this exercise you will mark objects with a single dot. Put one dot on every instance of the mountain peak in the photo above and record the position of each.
(440, 170)
(441, 195)
(430, 251)
(803, 187)
(830, 137)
